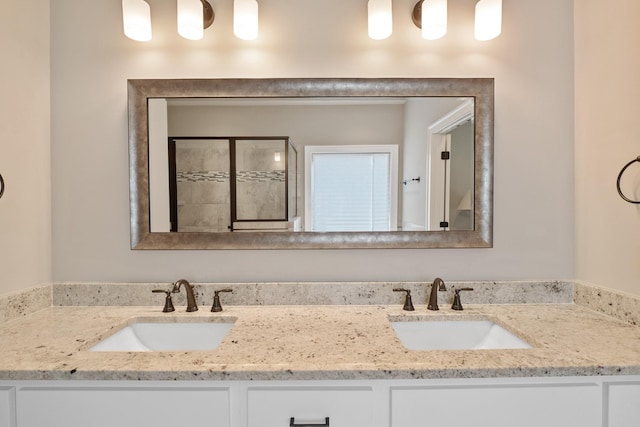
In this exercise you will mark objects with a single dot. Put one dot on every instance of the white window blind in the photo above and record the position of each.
(351, 191)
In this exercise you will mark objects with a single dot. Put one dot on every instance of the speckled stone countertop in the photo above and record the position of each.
(317, 342)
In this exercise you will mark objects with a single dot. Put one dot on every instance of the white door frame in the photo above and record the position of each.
(437, 196)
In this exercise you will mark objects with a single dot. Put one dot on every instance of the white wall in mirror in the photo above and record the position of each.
(92, 60)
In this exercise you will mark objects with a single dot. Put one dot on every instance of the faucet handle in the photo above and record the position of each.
(216, 300)
(457, 304)
(168, 302)
(408, 304)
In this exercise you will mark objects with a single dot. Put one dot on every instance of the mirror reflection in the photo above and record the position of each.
(313, 164)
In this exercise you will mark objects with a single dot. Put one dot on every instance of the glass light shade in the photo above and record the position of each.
(434, 19)
(380, 19)
(488, 19)
(136, 18)
(245, 19)
(190, 19)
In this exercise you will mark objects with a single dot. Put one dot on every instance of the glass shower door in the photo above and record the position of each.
(260, 180)
(201, 197)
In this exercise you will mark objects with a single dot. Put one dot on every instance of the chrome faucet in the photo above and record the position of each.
(437, 285)
(188, 288)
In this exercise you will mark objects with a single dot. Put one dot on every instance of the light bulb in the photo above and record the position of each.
(190, 19)
(434, 19)
(380, 19)
(245, 19)
(136, 19)
(488, 19)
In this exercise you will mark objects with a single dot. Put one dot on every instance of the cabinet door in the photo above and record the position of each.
(7, 407)
(623, 405)
(123, 407)
(345, 407)
(498, 406)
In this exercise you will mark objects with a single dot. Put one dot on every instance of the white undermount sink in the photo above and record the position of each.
(455, 335)
(162, 336)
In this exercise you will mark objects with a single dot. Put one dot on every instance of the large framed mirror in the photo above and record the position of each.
(311, 163)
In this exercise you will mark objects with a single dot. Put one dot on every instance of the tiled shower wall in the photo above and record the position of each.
(202, 172)
(203, 183)
(260, 180)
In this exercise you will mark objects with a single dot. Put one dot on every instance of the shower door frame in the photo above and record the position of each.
(173, 186)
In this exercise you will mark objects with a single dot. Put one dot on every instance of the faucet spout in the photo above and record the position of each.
(437, 285)
(188, 288)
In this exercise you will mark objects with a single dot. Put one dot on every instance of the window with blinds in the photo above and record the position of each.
(351, 190)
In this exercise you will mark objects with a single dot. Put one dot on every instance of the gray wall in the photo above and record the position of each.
(533, 71)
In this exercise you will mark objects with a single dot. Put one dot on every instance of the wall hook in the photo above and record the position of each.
(1, 186)
(625, 198)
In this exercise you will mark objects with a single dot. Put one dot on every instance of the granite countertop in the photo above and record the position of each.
(317, 343)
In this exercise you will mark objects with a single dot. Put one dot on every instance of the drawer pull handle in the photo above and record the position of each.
(292, 423)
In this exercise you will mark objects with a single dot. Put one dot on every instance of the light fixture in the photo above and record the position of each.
(380, 19)
(276, 156)
(194, 16)
(245, 19)
(431, 17)
(488, 19)
(136, 18)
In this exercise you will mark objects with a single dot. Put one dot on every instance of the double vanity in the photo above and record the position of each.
(363, 362)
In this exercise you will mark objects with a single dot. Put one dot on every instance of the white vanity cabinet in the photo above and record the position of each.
(484, 402)
(623, 404)
(498, 405)
(7, 407)
(339, 406)
(102, 405)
